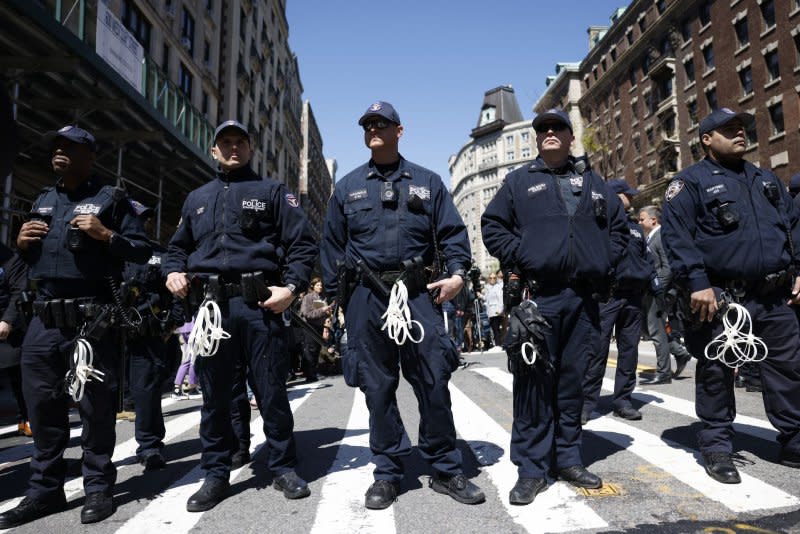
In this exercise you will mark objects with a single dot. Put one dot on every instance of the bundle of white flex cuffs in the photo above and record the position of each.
(83, 369)
(207, 331)
(736, 345)
(397, 318)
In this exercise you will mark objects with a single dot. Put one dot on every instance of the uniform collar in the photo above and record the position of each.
(577, 165)
(237, 175)
(84, 187)
(748, 169)
(402, 171)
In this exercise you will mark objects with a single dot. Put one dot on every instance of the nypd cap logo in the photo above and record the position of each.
(375, 107)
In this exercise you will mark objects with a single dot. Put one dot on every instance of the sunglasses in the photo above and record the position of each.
(555, 126)
(378, 125)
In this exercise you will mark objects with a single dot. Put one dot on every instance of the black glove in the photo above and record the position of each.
(526, 323)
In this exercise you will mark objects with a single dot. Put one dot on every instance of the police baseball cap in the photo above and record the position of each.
(74, 134)
(554, 114)
(794, 184)
(380, 109)
(236, 125)
(140, 210)
(618, 185)
(720, 117)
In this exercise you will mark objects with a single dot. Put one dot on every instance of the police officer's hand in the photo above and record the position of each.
(795, 292)
(92, 226)
(5, 330)
(704, 303)
(280, 300)
(31, 232)
(178, 284)
(448, 288)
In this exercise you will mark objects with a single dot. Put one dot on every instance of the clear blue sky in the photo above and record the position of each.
(433, 60)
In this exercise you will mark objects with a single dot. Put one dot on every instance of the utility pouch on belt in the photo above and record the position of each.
(526, 325)
(254, 288)
(414, 274)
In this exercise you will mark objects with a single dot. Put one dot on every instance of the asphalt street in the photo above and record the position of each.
(653, 478)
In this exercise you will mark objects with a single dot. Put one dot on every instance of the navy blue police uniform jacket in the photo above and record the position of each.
(527, 226)
(700, 246)
(210, 238)
(360, 227)
(636, 268)
(63, 273)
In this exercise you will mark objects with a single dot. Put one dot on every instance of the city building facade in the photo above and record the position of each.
(501, 142)
(663, 65)
(316, 184)
(150, 79)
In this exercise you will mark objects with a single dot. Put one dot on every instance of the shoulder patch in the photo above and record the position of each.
(292, 200)
(675, 187)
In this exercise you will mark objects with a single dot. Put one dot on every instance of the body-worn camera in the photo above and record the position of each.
(600, 209)
(772, 193)
(77, 239)
(726, 216)
(388, 194)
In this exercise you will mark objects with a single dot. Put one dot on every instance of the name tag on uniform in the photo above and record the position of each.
(576, 182)
(420, 190)
(716, 189)
(538, 188)
(44, 210)
(356, 195)
(87, 209)
(254, 204)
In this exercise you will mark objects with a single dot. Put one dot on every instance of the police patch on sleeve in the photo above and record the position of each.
(675, 187)
(292, 200)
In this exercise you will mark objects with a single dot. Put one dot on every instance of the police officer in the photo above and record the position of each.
(383, 213)
(729, 225)
(79, 234)
(622, 314)
(556, 225)
(146, 347)
(238, 233)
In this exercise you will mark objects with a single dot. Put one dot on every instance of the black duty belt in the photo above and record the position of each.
(389, 277)
(251, 286)
(67, 313)
(773, 284)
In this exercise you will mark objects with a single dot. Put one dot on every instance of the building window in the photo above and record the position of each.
(187, 31)
(776, 118)
(742, 35)
(642, 24)
(133, 19)
(773, 68)
(705, 13)
(668, 126)
(688, 66)
(206, 52)
(242, 24)
(646, 62)
(661, 5)
(708, 57)
(629, 37)
(664, 88)
(697, 152)
(686, 29)
(510, 140)
(752, 134)
(691, 107)
(711, 98)
(797, 46)
(768, 12)
(648, 103)
(746, 79)
(526, 136)
(165, 58)
(603, 64)
(649, 134)
(185, 80)
(204, 104)
(632, 75)
(526, 152)
(615, 94)
(637, 144)
(509, 155)
(614, 53)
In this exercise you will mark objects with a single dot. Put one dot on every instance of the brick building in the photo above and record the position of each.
(663, 65)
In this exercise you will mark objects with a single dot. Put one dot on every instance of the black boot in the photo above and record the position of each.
(213, 492)
(579, 476)
(240, 459)
(719, 466)
(30, 509)
(292, 486)
(97, 507)
(381, 494)
(526, 489)
(458, 487)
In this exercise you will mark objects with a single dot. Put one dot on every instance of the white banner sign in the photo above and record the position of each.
(118, 46)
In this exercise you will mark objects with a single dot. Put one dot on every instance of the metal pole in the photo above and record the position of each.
(119, 166)
(5, 224)
(158, 207)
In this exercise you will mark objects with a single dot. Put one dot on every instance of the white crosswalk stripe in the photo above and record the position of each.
(482, 410)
